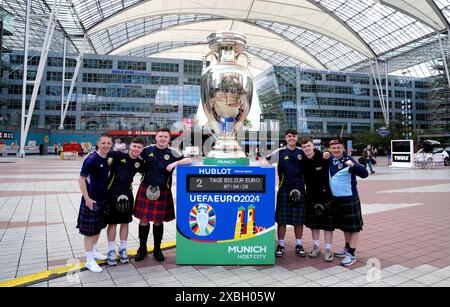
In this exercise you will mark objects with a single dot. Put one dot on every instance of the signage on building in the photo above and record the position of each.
(130, 72)
(137, 132)
(7, 135)
(383, 131)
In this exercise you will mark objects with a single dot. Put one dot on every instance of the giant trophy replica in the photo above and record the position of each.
(226, 206)
(226, 90)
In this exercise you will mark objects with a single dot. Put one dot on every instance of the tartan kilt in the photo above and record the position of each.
(90, 222)
(113, 215)
(160, 210)
(348, 215)
(324, 221)
(287, 212)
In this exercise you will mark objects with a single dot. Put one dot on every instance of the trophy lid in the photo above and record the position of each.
(227, 38)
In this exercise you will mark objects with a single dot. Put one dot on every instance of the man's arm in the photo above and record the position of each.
(270, 158)
(356, 168)
(183, 161)
(83, 187)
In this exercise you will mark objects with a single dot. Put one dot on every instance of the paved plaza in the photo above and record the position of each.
(406, 233)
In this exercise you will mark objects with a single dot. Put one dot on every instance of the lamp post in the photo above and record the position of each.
(406, 111)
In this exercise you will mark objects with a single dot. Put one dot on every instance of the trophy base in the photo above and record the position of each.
(227, 147)
(226, 161)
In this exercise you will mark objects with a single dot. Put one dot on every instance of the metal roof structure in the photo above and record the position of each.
(324, 34)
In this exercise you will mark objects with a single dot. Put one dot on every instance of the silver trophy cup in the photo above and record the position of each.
(226, 89)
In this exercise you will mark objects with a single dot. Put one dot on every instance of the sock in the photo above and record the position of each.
(328, 246)
(123, 244)
(281, 242)
(143, 235)
(89, 256)
(112, 246)
(316, 243)
(158, 231)
(352, 251)
(298, 242)
(347, 245)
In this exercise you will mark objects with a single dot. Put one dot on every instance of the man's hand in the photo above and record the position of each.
(171, 166)
(349, 163)
(264, 162)
(90, 203)
(326, 155)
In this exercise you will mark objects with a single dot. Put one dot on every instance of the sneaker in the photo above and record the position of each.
(328, 256)
(158, 255)
(280, 251)
(140, 255)
(342, 253)
(300, 251)
(372, 172)
(93, 266)
(111, 260)
(348, 260)
(98, 256)
(123, 256)
(315, 252)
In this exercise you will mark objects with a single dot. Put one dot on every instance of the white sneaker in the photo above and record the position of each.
(93, 266)
(98, 256)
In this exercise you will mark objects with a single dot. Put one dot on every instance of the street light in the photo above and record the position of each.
(406, 110)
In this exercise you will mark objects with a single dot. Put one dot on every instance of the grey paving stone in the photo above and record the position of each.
(395, 280)
(156, 281)
(294, 282)
(329, 280)
(411, 283)
(170, 284)
(317, 275)
(228, 281)
(103, 283)
(428, 279)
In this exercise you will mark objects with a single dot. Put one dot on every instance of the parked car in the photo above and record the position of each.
(438, 152)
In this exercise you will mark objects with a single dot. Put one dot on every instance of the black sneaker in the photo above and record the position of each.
(280, 251)
(158, 255)
(140, 255)
(300, 251)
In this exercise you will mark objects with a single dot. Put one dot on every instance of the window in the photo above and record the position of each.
(96, 63)
(192, 67)
(336, 78)
(165, 67)
(160, 80)
(131, 65)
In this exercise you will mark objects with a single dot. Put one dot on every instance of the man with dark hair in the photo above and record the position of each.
(290, 208)
(124, 167)
(343, 172)
(154, 201)
(93, 184)
(319, 210)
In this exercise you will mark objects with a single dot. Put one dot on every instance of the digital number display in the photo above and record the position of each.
(226, 183)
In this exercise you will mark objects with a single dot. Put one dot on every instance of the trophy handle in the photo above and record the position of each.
(206, 57)
(247, 56)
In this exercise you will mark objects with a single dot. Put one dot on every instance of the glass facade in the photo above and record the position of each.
(328, 103)
(111, 92)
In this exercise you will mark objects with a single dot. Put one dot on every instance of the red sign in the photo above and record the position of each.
(128, 132)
